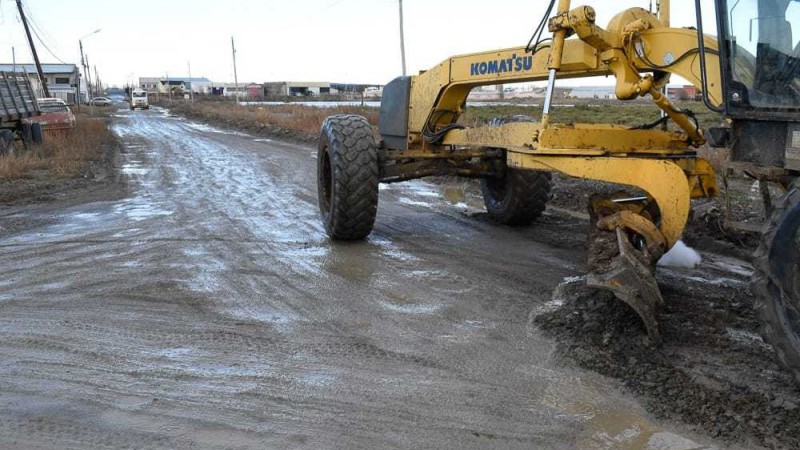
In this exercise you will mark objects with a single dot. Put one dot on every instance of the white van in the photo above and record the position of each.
(139, 99)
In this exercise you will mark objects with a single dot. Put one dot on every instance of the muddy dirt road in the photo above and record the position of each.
(207, 309)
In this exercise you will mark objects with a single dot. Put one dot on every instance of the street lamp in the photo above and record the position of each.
(85, 70)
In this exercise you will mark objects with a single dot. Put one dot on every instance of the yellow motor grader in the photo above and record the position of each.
(750, 72)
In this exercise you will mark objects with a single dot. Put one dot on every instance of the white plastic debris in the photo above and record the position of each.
(680, 255)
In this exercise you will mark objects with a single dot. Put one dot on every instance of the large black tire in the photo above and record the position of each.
(37, 136)
(347, 177)
(516, 197)
(6, 142)
(776, 282)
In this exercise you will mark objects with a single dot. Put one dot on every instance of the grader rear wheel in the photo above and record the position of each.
(776, 283)
(347, 177)
(516, 197)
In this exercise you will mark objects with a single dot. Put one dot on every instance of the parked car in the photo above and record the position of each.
(100, 101)
(56, 118)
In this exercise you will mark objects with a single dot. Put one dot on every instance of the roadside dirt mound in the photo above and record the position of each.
(256, 128)
(100, 181)
(713, 371)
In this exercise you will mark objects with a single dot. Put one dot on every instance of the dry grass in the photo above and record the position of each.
(63, 156)
(19, 166)
(308, 120)
(303, 120)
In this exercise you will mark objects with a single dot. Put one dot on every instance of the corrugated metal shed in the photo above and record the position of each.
(46, 68)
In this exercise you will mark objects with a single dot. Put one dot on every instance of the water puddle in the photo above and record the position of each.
(410, 202)
(211, 129)
(442, 281)
(410, 308)
(136, 209)
(747, 338)
(621, 430)
(134, 169)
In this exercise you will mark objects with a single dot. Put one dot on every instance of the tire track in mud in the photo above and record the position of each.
(209, 310)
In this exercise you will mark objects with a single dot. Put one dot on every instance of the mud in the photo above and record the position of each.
(206, 308)
(713, 371)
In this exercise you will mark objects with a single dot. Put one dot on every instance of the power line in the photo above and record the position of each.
(36, 30)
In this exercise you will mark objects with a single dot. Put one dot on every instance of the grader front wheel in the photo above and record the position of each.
(347, 177)
(777, 280)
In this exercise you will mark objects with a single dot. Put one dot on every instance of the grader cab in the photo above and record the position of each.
(750, 72)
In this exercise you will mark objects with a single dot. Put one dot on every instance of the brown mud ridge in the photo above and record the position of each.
(713, 371)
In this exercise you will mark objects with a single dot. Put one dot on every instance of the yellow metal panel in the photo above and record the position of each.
(610, 138)
(511, 64)
(702, 178)
(584, 139)
(446, 86)
(510, 135)
(663, 180)
(664, 46)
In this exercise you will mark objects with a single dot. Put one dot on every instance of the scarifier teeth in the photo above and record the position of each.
(630, 278)
(617, 265)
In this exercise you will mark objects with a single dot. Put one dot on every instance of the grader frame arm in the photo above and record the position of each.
(634, 40)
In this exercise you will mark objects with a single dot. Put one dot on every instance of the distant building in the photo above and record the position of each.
(686, 92)
(64, 81)
(164, 85)
(254, 90)
(351, 88)
(296, 88)
(598, 92)
(149, 84)
(231, 89)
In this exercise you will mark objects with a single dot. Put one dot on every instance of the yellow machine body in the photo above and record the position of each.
(662, 163)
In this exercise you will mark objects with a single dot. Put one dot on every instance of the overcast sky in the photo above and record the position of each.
(300, 40)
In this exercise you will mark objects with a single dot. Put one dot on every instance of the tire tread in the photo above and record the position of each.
(354, 163)
(763, 285)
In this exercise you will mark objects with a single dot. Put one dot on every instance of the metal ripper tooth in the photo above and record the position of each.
(629, 276)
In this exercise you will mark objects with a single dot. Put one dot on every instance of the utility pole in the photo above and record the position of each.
(169, 90)
(85, 65)
(191, 87)
(85, 74)
(89, 84)
(235, 77)
(97, 81)
(402, 40)
(33, 49)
